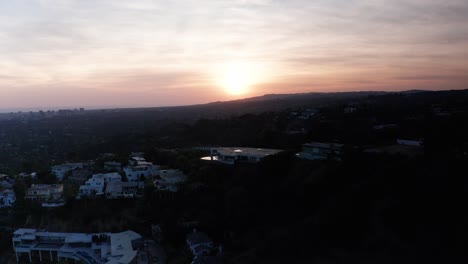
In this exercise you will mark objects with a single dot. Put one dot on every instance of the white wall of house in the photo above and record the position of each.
(134, 173)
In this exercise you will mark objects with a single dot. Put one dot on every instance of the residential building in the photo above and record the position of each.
(79, 176)
(199, 243)
(33, 245)
(140, 168)
(321, 151)
(61, 170)
(169, 180)
(7, 198)
(230, 155)
(119, 189)
(44, 192)
(96, 184)
(93, 186)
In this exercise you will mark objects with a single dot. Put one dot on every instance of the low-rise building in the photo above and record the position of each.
(34, 246)
(231, 155)
(321, 151)
(79, 176)
(119, 189)
(45, 192)
(7, 198)
(93, 186)
(96, 184)
(61, 170)
(139, 168)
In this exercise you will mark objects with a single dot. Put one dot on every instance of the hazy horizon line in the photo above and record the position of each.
(110, 107)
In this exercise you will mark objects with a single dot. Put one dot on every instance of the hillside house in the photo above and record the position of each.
(96, 184)
(79, 176)
(119, 189)
(44, 192)
(139, 168)
(60, 171)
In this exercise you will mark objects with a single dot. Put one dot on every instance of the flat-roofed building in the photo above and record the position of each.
(140, 169)
(230, 155)
(35, 245)
(44, 192)
(96, 184)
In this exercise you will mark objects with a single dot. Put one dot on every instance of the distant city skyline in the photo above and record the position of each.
(143, 53)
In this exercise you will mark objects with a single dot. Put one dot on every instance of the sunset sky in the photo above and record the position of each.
(130, 53)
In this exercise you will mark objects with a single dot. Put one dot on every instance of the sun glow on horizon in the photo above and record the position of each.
(238, 78)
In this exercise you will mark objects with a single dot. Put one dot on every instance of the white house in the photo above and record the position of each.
(199, 243)
(93, 186)
(96, 184)
(109, 184)
(44, 192)
(7, 198)
(138, 168)
(61, 170)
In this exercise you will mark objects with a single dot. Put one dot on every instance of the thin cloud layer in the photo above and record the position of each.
(135, 53)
